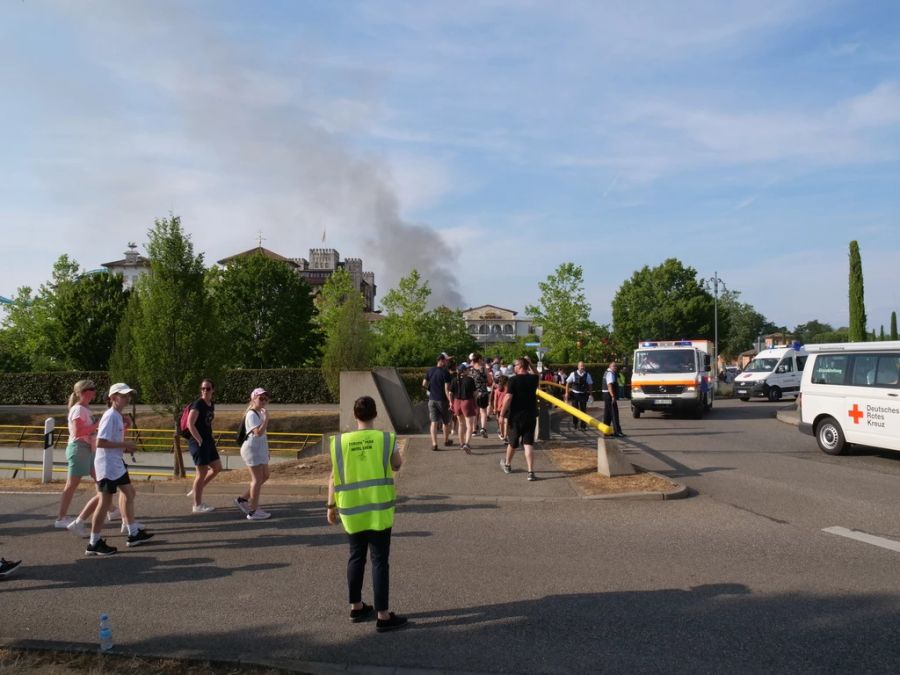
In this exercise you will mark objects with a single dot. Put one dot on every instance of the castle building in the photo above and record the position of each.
(319, 267)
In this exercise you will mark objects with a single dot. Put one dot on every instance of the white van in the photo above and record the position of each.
(772, 374)
(851, 394)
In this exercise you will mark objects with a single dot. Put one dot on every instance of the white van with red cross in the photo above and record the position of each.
(850, 394)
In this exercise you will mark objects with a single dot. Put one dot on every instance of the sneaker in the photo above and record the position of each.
(124, 528)
(243, 505)
(361, 614)
(466, 448)
(259, 514)
(139, 538)
(434, 448)
(448, 442)
(78, 529)
(190, 493)
(113, 514)
(63, 523)
(500, 436)
(100, 548)
(7, 566)
(484, 433)
(383, 625)
(203, 508)
(506, 467)
(531, 475)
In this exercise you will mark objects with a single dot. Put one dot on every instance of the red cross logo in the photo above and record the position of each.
(856, 414)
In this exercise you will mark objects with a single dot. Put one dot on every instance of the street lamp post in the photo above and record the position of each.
(716, 282)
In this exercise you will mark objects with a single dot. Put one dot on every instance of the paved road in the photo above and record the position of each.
(501, 575)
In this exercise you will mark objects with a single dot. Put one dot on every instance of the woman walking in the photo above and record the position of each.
(202, 445)
(80, 450)
(462, 403)
(255, 453)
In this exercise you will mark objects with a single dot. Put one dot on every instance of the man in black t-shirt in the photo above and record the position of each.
(437, 382)
(521, 407)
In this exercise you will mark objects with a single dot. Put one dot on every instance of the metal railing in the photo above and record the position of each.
(155, 440)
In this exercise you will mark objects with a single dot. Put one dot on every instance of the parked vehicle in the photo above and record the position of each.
(672, 376)
(850, 393)
(772, 374)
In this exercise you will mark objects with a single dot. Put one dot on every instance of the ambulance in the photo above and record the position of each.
(672, 376)
(850, 394)
(772, 374)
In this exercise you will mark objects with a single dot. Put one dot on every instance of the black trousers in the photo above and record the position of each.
(379, 543)
(611, 412)
(579, 401)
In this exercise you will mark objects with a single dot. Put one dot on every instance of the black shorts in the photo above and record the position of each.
(483, 399)
(203, 455)
(521, 431)
(111, 485)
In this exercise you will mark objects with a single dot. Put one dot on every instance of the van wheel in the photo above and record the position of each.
(830, 437)
(745, 398)
(774, 394)
(635, 412)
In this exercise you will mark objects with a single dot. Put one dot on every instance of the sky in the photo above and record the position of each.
(483, 143)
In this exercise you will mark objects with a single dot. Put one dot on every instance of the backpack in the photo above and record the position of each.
(183, 422)
(459, 387)
(242, 430)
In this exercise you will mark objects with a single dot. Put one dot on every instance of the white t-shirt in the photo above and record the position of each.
(83, 413)
(254, 419)
(108, 462)
(609, 377)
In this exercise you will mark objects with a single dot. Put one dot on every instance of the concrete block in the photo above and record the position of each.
(610, 460)
(395, 412)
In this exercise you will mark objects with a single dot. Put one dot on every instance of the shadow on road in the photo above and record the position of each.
(677, 470)
(711, 628)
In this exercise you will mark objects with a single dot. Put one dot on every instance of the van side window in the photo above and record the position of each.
(864, 370)
(801, 362)
(888, 373)
(830, 369)
(786, 366)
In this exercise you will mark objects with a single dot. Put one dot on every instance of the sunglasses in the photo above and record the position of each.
(206, 388)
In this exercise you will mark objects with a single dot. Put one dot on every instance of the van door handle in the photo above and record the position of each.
(894, 395)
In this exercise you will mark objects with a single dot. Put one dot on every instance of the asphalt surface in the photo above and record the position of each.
(501, 575)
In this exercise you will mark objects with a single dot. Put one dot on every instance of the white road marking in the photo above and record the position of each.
(865, 538)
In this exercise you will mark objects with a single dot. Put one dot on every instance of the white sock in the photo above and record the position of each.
(78, 519)
(94, 538)
(132, 529)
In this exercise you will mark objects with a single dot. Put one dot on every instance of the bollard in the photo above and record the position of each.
(610, 460)
(543, 420)
(47, 468)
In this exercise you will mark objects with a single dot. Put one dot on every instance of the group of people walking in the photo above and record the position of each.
(96, 448)
(461, 399)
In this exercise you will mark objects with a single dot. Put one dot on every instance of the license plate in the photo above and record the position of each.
(662, 401)
(742, 391)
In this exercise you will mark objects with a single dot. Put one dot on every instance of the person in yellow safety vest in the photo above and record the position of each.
(361, 491)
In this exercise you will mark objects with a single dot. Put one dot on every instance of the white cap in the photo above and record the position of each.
(120, 388)
(471, 356)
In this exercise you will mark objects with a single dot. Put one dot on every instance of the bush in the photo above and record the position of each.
(48, 388)
(285, 385)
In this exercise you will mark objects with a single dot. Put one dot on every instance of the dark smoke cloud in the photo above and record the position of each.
(267, 137)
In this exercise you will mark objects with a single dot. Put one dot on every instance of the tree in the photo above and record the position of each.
(881, 334)
(342, 320)
(808, 333)
(664, 302)
(564, 314)
(739, 325)
(858, 332)
(266, 313)
(893, 325)
(86, 313)
(177, 336)
(409, 335)
(123, 359)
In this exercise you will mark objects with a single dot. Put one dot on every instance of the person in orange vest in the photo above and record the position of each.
(361, 491)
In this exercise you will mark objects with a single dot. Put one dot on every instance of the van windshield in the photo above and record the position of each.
(761, 366)
(665, 361)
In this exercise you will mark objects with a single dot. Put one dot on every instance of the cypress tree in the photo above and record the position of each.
(857, 332)
(881, 333)
(893, 325)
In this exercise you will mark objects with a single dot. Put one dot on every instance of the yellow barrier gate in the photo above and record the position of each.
(604, 429)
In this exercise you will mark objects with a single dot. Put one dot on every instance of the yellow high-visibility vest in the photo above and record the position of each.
(363, 479)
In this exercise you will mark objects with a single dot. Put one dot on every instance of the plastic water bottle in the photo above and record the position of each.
(106, 641)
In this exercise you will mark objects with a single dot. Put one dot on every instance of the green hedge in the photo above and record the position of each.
(285, 385)
(47, 388)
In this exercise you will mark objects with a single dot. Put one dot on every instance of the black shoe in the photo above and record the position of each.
(7, 566)
(434, 448)
(448, 442)
(620, 435)
(100, 548)
(361, 614)
(139, 538)
(393, 623)
(531, 476)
